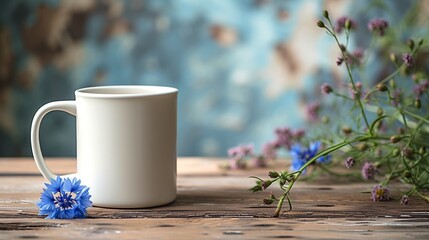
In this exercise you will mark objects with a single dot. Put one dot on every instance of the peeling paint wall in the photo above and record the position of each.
(242, 67)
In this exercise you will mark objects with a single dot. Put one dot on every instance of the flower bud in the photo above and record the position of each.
(363, 146)
(268, 201)
(273, 174)
(380, 112)
(256, 188)
(408, 153)
(393, 57)
(320, 24)
(266, 184)
(348, 24)
(381, 87)
(282, 181)
(325, 88)
(422, 150)
(405, 200)
(395, 152)
(407, 174)
(325, 14)
(358, 86)
(407, 70)
(349, 162)
(325, 119)
(417, 103)
(395, 139)
(346, 130)
(392, 83)
(339, 61)
(410, 44)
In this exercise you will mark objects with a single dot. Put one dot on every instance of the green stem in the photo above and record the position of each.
(313, 159)
(426, 198)
(350, 75)
(415, 116)
(341, 95)
(280, 204)
(335, 173)
(398, 70)
(386, 182)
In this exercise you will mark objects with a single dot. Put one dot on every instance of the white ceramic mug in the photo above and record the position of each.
(126, 143)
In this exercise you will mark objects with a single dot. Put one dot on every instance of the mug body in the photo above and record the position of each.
(126, 144)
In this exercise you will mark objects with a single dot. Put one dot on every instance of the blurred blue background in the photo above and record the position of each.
(242, 67)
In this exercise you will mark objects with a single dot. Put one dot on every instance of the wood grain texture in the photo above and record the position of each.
(212, 203)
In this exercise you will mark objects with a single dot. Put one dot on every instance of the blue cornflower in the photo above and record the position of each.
(301, 155)
(324, 159)
(64, 199)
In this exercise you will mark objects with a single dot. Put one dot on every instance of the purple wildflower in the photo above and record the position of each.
(405, 199)
(420, 88)
(298, 134)
(325, 88)
(349, 162)
(284, 137)
(341, 24)
(379, 193)
(241, 151)
(358, 53)
(358, 93)
(339, 61)
(369, 171)
(378, 25)
(238, 155)
(408, 59)
(270, 150)
(233, 152)
(312, 111)
(396, 98)
(357, 56)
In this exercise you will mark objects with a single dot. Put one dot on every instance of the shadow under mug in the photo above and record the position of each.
(126, 143)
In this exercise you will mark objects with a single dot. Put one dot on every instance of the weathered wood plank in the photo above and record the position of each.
(225, 228)
(212, 203)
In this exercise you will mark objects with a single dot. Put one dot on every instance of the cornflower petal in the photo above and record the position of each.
(72, 185)
(55, 185)
(64, 199)
(314, 147)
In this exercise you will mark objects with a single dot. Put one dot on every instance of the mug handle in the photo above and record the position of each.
(66, 106)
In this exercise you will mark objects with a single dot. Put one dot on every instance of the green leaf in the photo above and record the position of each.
(256, 188)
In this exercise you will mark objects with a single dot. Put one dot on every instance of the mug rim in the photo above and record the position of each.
(153, 91)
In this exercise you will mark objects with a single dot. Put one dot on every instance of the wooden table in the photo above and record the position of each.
(212, 203)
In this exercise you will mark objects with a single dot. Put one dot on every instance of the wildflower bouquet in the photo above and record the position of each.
(388, 139)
